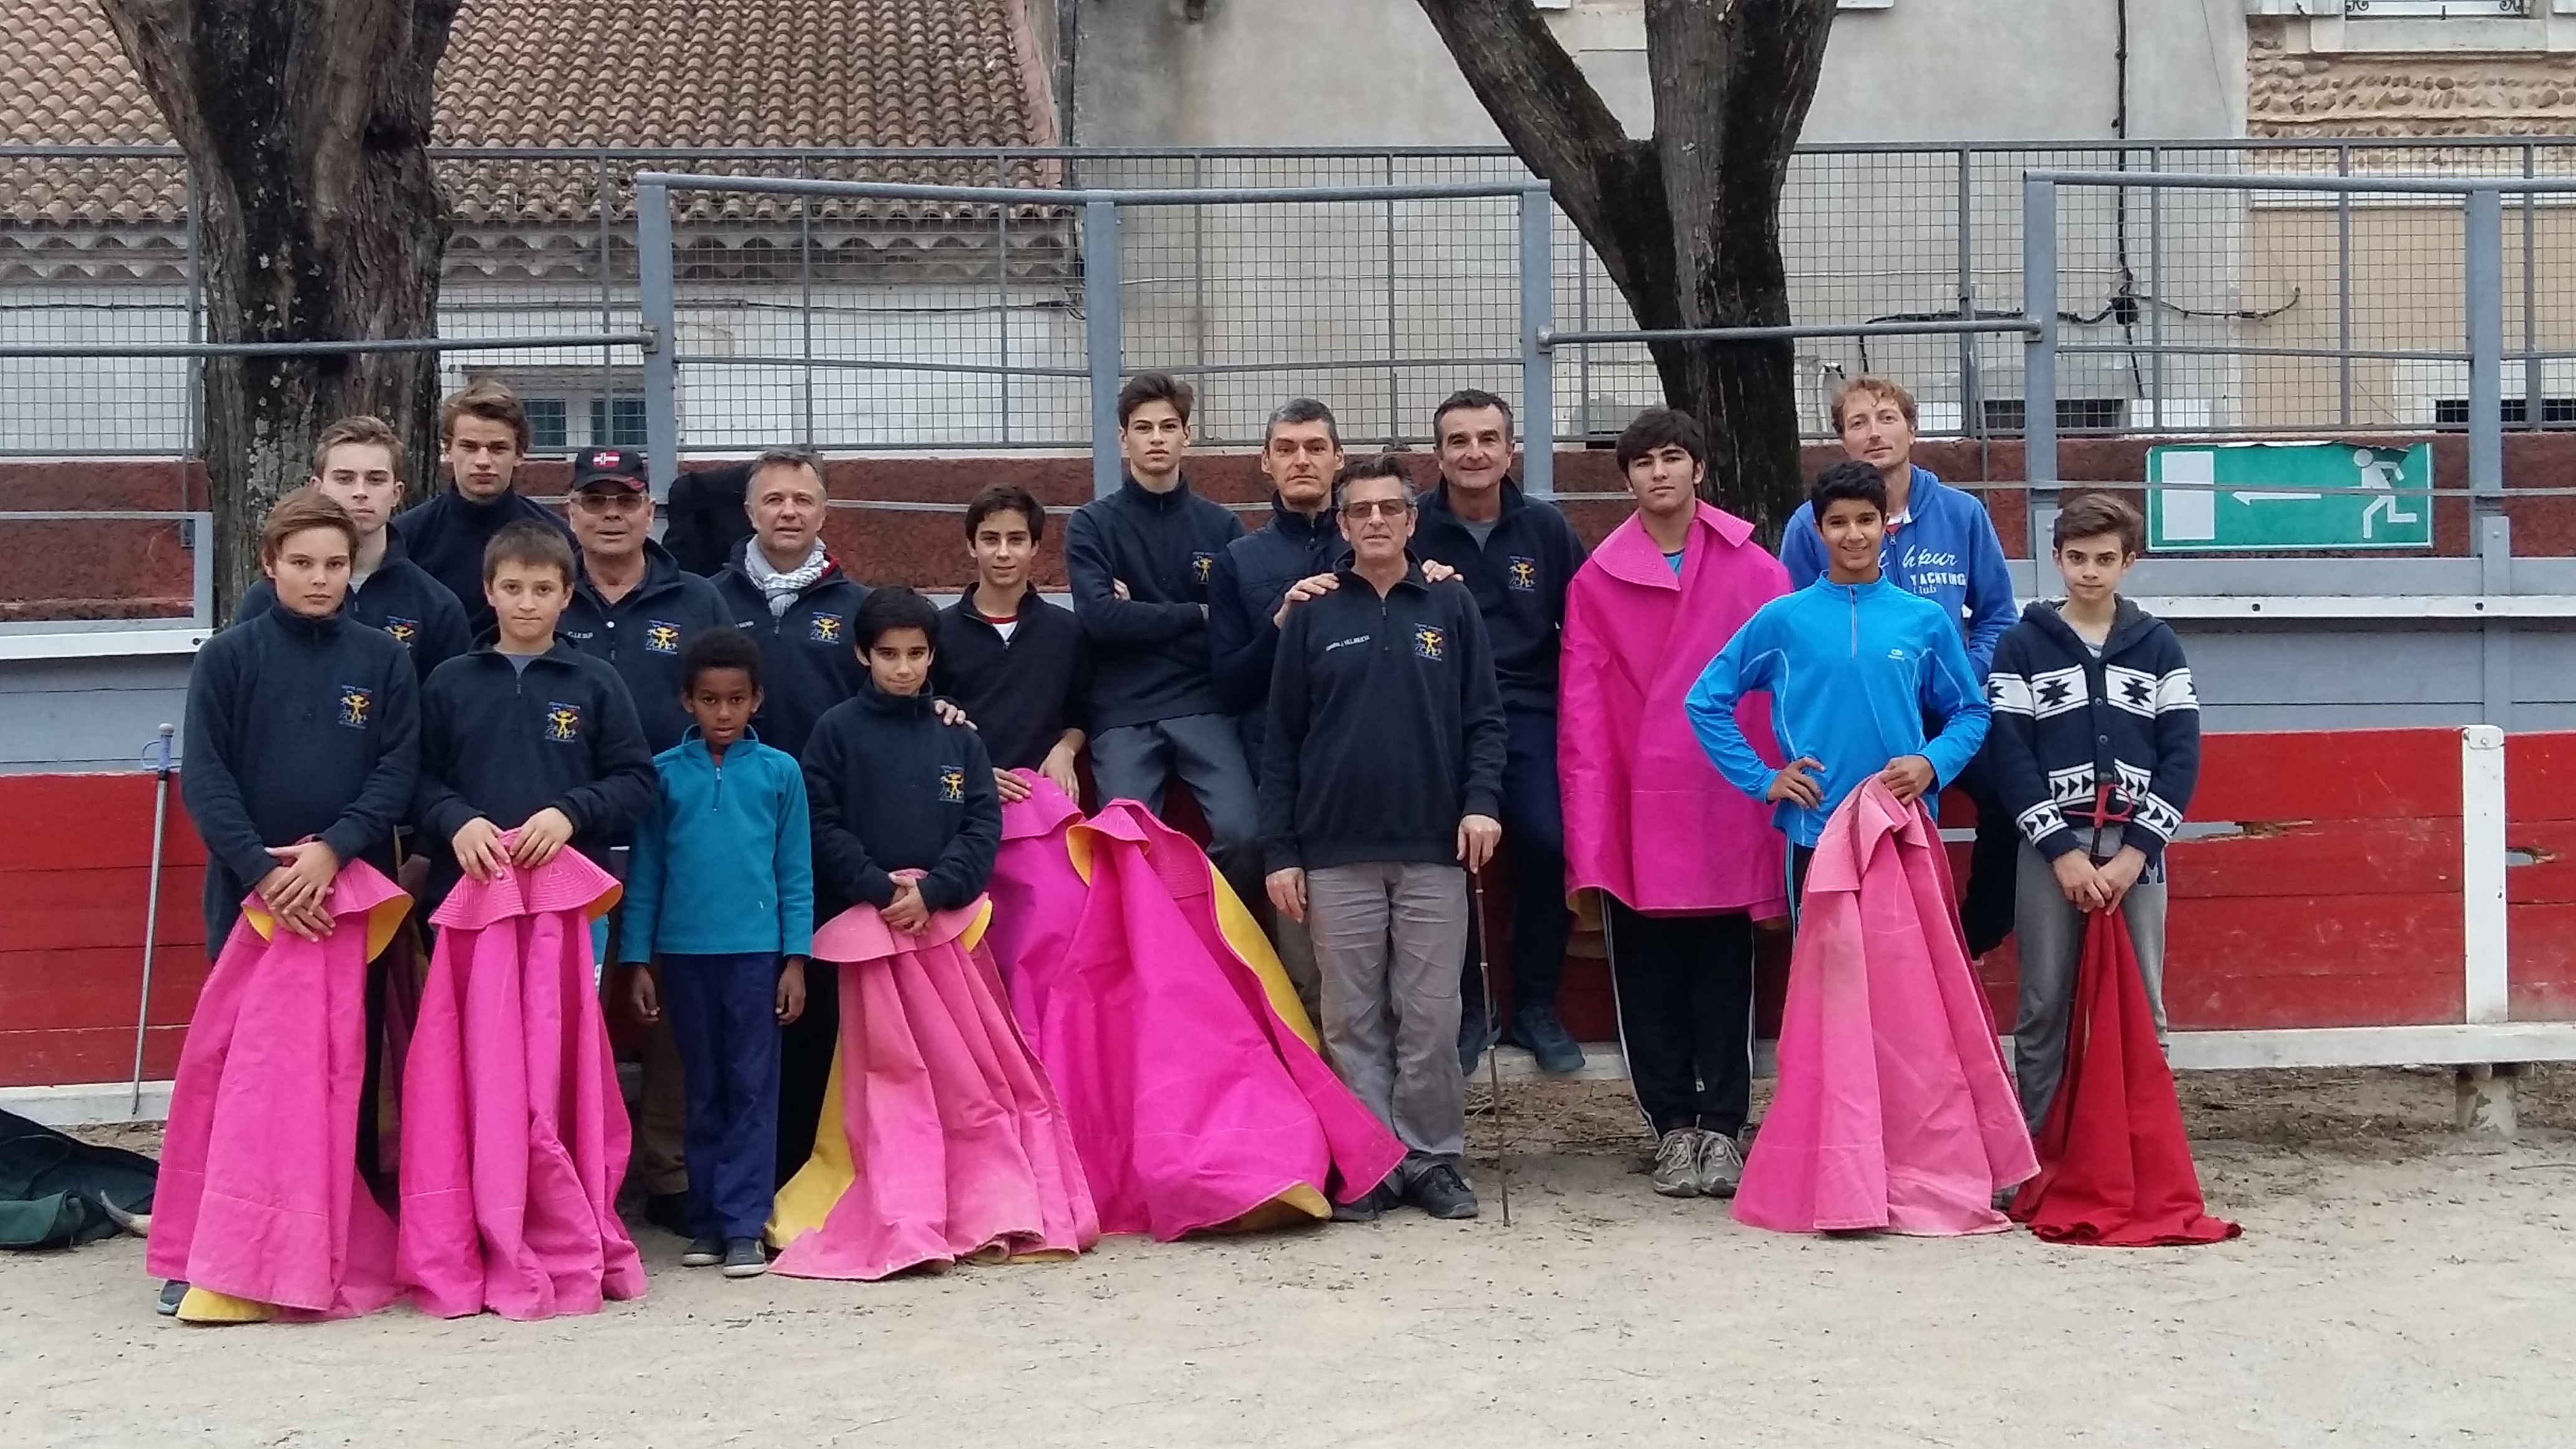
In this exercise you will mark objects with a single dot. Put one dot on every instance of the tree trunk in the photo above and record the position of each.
(1687, 224)
(306, 127)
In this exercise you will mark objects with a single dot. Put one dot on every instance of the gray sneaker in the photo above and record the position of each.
(703, 1253)
(1677, 1163)
(1721, 1165)
(744, 1259)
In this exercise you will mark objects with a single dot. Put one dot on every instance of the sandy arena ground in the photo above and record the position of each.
(2397, 1284)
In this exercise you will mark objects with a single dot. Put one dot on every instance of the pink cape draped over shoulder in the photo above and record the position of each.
(1892, 1109)
(1647, 818)
(1146, 989)
(514, 1137)
(940, 1137)
(260, 1198)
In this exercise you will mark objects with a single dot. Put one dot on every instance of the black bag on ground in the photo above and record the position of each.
(54, 1190)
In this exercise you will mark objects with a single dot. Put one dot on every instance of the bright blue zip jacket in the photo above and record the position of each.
(724, 865)
(1946, 550)
(1852, 670)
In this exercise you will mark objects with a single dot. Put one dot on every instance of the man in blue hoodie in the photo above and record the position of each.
(1940, 544)
(1855, 664)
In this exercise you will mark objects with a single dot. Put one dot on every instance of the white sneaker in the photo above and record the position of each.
(1677, 1164)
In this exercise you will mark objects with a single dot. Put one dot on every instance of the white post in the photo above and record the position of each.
(2488, 987)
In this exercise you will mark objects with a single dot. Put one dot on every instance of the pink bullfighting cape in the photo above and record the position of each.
(1187, 1068)
(261, 1208)
(1892, 1109)
(1647, 818)
(940, 1138)
(514, 1139)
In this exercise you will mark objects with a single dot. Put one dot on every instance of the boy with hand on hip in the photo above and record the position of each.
(721, 884)
(2095, 750)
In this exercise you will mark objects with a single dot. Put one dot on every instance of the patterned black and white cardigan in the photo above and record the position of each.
(2068, 724)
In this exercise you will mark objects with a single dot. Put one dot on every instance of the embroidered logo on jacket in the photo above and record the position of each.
(952, 784)
(1430, 642)
(1522, 573)
(823, 629)
(357, 706)
(661, 637)
(563, 722)
(1200, 565)
(404, 630)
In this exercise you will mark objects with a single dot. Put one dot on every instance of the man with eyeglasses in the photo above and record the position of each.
(1381, 776)
(634, 607)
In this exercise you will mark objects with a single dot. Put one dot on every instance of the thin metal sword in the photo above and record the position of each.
(1493, 1062)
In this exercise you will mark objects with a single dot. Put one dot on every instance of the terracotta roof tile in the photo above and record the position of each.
(571, 73)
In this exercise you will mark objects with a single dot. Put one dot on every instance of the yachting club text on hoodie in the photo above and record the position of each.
(1853, 670)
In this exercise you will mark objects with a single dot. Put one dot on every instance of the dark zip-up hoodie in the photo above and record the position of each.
(1252, 576)
(1023, 692)
(399, 598)
(297, 728)
(1385, 727)
(1519, 576)
(446, 536)
(505, 743)
(808, 660)
(1150, 649)
(642, 634)
(891, 788)
(2080, 741)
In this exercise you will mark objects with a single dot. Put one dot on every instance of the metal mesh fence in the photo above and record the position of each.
(910, 327)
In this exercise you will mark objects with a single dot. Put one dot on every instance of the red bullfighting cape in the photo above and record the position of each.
(1187, 1068)
(1892, 1109)
(261, 1208)
(514, 1139)
(2115, 1167)
(940, 1139)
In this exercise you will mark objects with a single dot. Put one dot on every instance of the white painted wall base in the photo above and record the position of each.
(85, 1104)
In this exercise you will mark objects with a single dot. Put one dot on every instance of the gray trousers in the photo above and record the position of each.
(2050, 933)
(1297, 957)
(1137, 762)
(1387, 938)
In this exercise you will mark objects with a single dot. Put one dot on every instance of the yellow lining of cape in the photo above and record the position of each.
(801, 1206)
(1241, 930)
(204, 1305)
(383, 919)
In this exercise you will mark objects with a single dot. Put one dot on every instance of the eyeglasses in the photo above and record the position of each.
(611, 502)
(1368, 508)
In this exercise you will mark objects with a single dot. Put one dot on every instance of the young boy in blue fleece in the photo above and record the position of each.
(721, 887)
(1854, 664)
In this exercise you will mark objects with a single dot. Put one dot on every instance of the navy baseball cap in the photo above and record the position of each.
(608, 470)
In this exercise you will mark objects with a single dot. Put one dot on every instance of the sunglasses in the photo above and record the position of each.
(1368, 508)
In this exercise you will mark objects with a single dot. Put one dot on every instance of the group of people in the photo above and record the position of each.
(907, 1004)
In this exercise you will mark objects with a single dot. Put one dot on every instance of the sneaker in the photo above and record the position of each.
(1537, 1028)
(1369, 1206)
(1721, 1165)
(1441, 1192)
(744, 1259)
(668, 1211)
(1677, 1163)
(703, 1253)
(1475, 1034)
(168, 1304)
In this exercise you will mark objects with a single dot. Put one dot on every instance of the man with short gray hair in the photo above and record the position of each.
(784, 589)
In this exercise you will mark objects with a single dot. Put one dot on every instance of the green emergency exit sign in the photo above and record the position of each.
(2244, 497)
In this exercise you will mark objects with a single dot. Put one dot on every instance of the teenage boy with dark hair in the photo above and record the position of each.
(1855, 663)
(1140, 562)
(785, 590)
(482, 436)
(718, 916)
(2095, 749)
(1941, 544)
(1380, 776)
(1516, 554)
(1018, 665)
(527, 730)
(357, 463)
(633, 607)
(1683, 864)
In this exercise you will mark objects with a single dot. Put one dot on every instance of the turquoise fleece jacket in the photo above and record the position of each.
(725, 864)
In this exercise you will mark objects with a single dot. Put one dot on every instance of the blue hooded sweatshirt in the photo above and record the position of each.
(1944, 549)
(1852, 669)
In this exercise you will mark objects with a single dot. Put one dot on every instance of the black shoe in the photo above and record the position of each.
(668, 1211)
(1475, 1034)
(1537, 1028)
(1441, 1192)
(171, 1293)
(1368, 1207)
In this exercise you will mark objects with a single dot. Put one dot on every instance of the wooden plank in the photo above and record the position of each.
(2541, 947)
(74, 909)
(2336, 961)
(88, 821)
(2337, 775)
(67, 990)
(98, 1054)
(2550, 875)
(2540, 776)
(2308, 858)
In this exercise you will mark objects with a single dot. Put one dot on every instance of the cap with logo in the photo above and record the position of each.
(608, 470)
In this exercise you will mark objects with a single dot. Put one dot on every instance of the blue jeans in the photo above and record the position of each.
(1534, 845)
(722, 1010)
